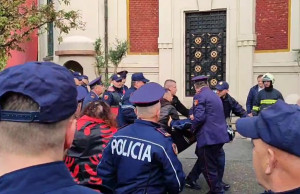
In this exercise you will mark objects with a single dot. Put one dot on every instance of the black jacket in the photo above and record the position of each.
(180, 107)
(167, 110)
(231, 105)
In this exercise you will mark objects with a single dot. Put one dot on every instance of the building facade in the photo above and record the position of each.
(232, 40)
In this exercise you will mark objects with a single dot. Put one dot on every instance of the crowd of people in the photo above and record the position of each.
(126, 140)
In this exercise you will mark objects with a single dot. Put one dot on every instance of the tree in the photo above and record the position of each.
(19, 19)
(117, 54)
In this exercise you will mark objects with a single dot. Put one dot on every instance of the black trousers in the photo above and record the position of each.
(210, 162)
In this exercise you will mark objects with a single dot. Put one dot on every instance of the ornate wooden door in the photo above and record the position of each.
(205, 47)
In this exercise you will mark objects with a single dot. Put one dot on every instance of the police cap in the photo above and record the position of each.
(222, 85)
(199, 78)
(96, 81)
(139, 77)
(116, 77)
(123, 74)
(50, 85)
(147, 95)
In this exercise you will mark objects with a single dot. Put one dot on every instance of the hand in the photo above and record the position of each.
(250, 115)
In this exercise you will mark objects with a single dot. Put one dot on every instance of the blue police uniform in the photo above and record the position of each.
(126, 114)
(114, 95)
(141, 158)
(92, 96)
(52, 178)
(210, 127)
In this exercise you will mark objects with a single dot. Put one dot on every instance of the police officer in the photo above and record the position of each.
(230, 105)
(267, 96)
(210, 127)
(35, 124)
(114, 94)
(123, 74)
(141, 158)
(276, 154)
(126, 114)
(97, 88)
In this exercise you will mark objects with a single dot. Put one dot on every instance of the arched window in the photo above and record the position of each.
(74, 66)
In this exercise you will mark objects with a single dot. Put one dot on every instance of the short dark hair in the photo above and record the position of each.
(259, 76)
(167, 81)
(200, 84)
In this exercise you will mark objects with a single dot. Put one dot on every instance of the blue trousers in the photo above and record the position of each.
(210, 162)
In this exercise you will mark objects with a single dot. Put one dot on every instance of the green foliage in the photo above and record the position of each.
(100, 60)
(19, 20)
(117, 54)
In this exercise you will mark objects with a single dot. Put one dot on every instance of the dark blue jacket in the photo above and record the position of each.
(140, 158)
(209, 122)
(230, 105)
(51, 178)
(126, 114)
(113, 96)
(90, 98)
(251, 98)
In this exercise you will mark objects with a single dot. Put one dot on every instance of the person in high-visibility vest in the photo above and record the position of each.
(266, 97)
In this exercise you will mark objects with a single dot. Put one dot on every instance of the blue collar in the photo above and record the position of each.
(37, 179)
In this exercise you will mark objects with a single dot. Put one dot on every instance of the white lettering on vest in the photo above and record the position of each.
(131, 149)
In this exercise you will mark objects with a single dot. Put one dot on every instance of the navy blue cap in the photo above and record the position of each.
(81, 93)
(76, 74)
(116, 77)
(147, 95)
(123, 74)
(139, 77)
(50, 85)
(96, 81)
(85, 77)
(277, 125)
(199, 78)
(222, 85)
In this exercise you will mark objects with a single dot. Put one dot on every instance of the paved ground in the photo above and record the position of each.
(239, 172)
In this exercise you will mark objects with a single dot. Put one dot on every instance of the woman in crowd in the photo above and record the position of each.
(94, 130)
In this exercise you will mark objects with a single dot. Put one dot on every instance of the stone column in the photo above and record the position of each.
(165, 40)
(246, 45)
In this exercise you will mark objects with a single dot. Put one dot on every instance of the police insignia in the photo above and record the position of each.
(175, 148)
(105, 97)
(196, 102)
(162, 131)
(92, 96)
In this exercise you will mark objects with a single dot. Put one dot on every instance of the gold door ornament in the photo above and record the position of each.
(198, 40)
(213, 68)
(198, 68)
(214, 54)
(214, 39)
(198, 54)
(213, 82)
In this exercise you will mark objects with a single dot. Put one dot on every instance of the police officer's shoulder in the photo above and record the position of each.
(162, 131)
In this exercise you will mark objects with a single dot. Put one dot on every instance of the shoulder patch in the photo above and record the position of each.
(93, 96)
(196, 102)
(175, 148)
(162, 131)
(105, 97)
